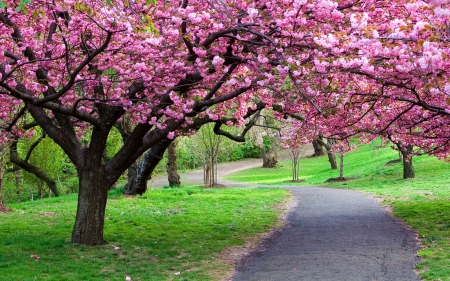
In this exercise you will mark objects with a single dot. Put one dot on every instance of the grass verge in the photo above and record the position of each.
(422, 202)
(167, 234)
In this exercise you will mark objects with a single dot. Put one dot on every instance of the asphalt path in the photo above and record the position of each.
(334, 234)
(330, 234)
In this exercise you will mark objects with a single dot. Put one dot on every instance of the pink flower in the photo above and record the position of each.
(218, 61)
(170, 135)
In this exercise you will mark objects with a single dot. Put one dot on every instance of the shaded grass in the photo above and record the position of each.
(423, 202)
(159, 234)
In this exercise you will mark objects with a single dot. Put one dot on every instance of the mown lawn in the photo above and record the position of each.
(167, 234)
(422, 202)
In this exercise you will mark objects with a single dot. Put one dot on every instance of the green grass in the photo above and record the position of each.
(159, 234)
(423, 202)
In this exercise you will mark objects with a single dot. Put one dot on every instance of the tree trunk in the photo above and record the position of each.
(329, 146)
(295, 168)
(408, 168)
(171, 167)
(269, 159)
(90, 218)
(318, 149)
(341, 166)
(2, 170)
(331, 155)
(145, 168)
(332, 159)
(206, 174)
(19, 182)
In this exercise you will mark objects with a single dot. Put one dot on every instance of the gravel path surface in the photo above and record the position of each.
(330, 234)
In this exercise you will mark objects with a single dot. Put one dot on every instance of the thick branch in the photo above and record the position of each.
(30, 168)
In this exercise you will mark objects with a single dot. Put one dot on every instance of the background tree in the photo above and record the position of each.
(3, 151)
(318, 148)
(171, 166)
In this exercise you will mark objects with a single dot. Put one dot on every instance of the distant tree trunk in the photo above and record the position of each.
(295, 157)
(145, 168)
(1, 187)
(318, 148)
(270, 159)
(171, 167)
(331, 155)
(18, 180)
(408, 169)
(328, 146)
(206, 174)
(210, 170)
(332, 160)
(131, 174)
(2, 170)
(341, 166)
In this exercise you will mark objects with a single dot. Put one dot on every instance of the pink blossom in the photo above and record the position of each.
(217, 61)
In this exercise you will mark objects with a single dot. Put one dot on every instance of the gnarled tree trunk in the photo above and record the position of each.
(329, 145)
(138, 183)
(171, 167)
(89, 221)
(2, 170)
(318, 148)
(270, 159)
(408, 168)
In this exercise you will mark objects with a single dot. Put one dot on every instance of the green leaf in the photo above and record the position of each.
(2, 5)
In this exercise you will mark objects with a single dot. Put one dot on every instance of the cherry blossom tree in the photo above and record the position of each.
(79, 67)
(391, 76)
(348, 67)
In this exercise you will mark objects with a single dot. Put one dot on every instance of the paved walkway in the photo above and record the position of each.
(335, 235)
(331, 234)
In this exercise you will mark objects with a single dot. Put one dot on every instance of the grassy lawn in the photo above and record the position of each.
(167, 234)
(423, 202)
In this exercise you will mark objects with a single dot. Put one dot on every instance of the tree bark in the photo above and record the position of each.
(332, 160)
(2, 171)
(341, 166)
(328, 146)
(270, 157)
(138, 184)
(408, 168)
(172, 169)
(318, 148)
(331, 155)
(92, 197)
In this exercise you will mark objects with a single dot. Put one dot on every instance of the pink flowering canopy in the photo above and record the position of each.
(349, 67)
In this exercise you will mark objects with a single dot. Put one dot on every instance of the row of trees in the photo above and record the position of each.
(337, 69)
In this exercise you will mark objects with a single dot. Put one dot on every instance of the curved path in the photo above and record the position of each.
(330, 234)
(335, 234)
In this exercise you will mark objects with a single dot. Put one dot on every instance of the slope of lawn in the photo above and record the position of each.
(422, 202)
(167, 234)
